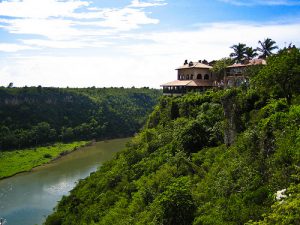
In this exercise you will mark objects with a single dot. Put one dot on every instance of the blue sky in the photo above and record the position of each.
(82, 43)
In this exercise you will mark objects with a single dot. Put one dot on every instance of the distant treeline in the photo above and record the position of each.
(33, 116)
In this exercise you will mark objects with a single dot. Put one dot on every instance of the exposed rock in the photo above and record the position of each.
(231, 118)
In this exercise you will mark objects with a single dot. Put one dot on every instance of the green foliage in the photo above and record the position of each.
(219, 67)
(178, 170)
(253, 70)
(35, 116)
(250, 53)
(177, 203)
(285, 211)
(239, 52)
(266, 48)
(281, 76)
(47, 155)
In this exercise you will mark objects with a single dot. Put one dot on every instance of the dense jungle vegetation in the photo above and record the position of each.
(35, 116)
(213, 158)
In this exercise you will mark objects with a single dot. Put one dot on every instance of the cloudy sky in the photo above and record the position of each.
(84, 43)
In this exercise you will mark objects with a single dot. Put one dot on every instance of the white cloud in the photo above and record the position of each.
(139, 4)
(76, 44)
(40, 9)
(72, 20)
(80, 71)
(43, 9)
(262, 2)
(8, 47)
(125, 19)
(126, 59)
(55, 29)
(149, 63)
(212, 41)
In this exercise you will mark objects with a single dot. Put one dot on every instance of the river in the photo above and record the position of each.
(27, 198)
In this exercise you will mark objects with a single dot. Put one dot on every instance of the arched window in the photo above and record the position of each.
(192, 77)
(187, 77)
(199, 76)
(206, 77)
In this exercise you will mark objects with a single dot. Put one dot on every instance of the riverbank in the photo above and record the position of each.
(28, 197)
(18, 161)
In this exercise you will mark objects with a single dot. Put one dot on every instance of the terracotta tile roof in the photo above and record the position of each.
(237, 65)
(250, 63)
(190, 83)
(194, 65)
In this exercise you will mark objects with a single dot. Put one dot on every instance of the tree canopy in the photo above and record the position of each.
(219, 67)
(281, 75)
(266, 48)
(33, 116)
(178, 171)
(239, 51)
(250, 53)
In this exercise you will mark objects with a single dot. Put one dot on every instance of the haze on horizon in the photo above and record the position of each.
(104, 43)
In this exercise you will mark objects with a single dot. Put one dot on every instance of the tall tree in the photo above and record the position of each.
(10, 85)
(250, 53)
(281, 75)
(239, 52)
(266, 48)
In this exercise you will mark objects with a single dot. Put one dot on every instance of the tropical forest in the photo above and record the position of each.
(223, 156)
(40, 124)
(149, 112)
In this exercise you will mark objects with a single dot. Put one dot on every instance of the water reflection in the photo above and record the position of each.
(26, 199)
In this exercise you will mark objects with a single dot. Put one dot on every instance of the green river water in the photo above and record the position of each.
(27, 198)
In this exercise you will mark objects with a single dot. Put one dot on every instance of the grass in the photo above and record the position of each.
(13, 162)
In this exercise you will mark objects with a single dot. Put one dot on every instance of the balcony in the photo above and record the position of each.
(180, 90)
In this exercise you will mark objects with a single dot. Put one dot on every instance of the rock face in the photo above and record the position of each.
(230, 126)
(232, 119)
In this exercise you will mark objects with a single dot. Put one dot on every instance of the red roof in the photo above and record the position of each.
(194, 65)
(250, 63)
(190, 83)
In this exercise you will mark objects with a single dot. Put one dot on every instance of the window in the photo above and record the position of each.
(199, 76)
(187, 77)
(192, 77)
(206, 77)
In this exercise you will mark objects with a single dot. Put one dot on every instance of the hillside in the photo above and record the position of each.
(34, 116)
(213, 158)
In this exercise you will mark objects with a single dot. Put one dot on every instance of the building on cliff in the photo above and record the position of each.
(198, 77)
(235, 74)
(192, 76)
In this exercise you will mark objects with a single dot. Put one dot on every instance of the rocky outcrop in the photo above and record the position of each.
(232, 120)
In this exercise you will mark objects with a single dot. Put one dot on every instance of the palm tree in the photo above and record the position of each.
(239, 52)
(250, 53)
(267, 46)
